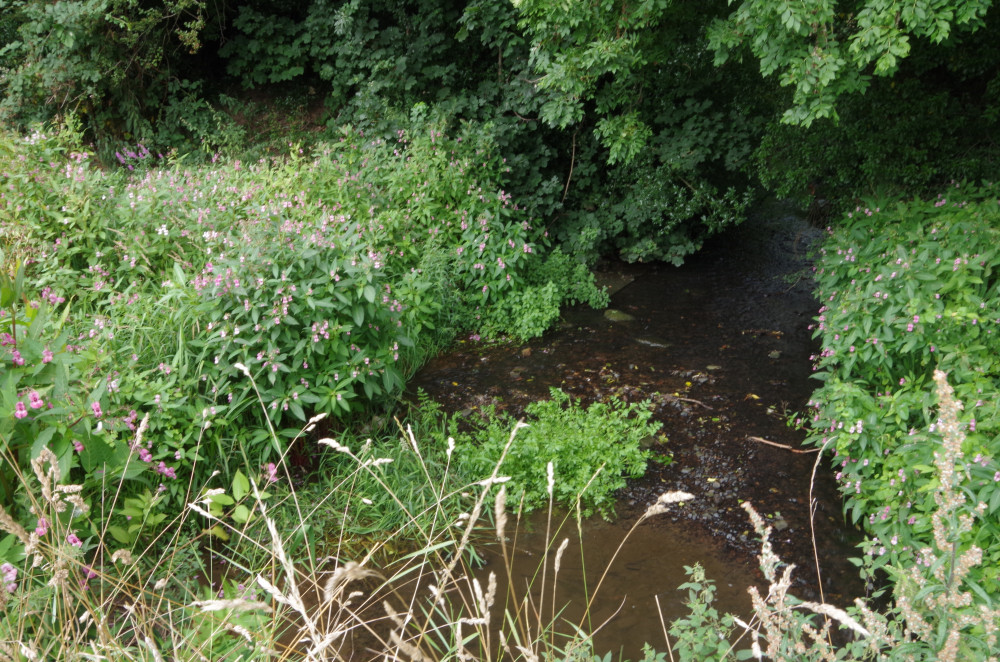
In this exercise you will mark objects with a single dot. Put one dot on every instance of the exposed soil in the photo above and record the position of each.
(722, 348)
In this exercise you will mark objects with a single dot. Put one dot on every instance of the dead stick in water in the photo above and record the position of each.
(784, 446)
(697, 402)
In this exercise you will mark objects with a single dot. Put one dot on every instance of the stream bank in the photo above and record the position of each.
(722, 347)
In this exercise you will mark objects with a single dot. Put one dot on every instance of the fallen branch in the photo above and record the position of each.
(783, 446)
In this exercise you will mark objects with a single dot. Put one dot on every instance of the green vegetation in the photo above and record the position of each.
(228, 231)
(586, 453)
(327, 275)
(909, 288)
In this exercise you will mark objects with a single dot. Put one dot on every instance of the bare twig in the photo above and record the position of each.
(668, 397)
(572, 162)
(784, 447)
(812, 528)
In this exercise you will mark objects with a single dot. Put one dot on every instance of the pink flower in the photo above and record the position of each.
(169, 472)
(271, 472)
(96, 407)
(74, 540)
(77, 445)
(20, 411)
(16, 358)
(47, 356)
(42, 527)
(9, 573)
(36, 400)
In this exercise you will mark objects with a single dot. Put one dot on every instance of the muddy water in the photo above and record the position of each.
(721, 346)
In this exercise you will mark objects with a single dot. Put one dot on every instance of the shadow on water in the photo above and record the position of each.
(721, 346)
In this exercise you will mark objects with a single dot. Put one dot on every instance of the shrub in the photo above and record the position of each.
(113, 62)
(907, 288)
(328, 275)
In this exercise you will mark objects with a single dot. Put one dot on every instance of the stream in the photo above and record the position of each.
(721, 346)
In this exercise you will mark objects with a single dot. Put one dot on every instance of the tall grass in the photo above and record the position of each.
(420, 598)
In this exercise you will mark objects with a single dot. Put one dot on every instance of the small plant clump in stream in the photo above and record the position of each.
(592, 449)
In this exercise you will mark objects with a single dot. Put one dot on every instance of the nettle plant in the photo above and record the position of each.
(907, 288)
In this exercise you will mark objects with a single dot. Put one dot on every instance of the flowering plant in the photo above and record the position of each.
(907, 288)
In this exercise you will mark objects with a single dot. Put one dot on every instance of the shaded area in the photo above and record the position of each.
(722, 348)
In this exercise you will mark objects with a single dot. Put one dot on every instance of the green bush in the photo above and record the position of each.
(907, 288)
(114, 62)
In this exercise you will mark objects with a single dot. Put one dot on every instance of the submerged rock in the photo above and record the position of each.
(614, 315)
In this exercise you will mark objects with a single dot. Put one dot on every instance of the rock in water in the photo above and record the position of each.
(617, 315)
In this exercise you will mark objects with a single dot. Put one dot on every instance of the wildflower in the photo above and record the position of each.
(77, 446)
(74, 540)
(271, 472)
(19, 410)
(9, 573)
(36, 400)
(42, 527)
(96, 407)
(47, 356)
(16, 358)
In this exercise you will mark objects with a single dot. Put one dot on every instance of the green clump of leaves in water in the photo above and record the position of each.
(592, 450)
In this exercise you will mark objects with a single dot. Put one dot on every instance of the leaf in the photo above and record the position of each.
(218, 531)
(222, 499)
(119, 534)
(241, 514)
(369, 293)
(41, 441)
(994, 501)
(241, 485)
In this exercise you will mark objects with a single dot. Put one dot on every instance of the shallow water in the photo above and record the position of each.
(721, 347)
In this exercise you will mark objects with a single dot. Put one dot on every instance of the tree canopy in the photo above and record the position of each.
(633, 127)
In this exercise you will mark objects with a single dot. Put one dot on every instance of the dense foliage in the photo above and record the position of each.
(631, 128)
(826, 49)
(326, 275)
(567, 454)
(908, 288)
(174, 284)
